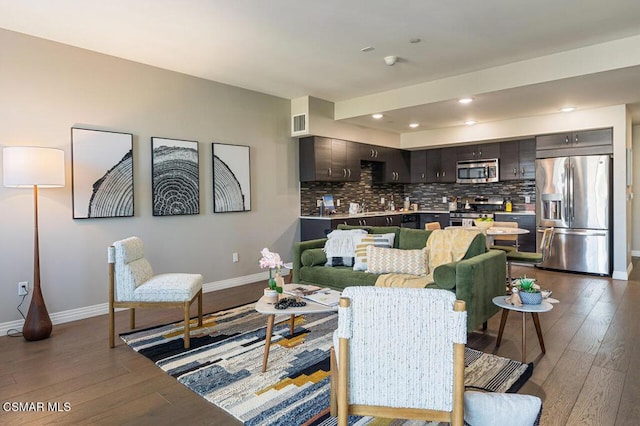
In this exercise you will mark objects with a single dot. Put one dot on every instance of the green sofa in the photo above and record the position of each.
(476, 279)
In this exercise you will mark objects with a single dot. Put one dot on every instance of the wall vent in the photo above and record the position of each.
(299, 125)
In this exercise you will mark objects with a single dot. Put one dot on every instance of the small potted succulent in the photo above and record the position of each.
(529, 291)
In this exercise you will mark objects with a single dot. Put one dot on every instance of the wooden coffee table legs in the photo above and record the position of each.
(267, 339)
(536, 323)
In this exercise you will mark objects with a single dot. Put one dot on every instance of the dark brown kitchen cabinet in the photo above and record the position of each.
(517, 160)
(575, 139)
(441, 165)
(418, 166)
(372, 152)
(329, 160)
(396, 166)
(442, 218)
(478, 152)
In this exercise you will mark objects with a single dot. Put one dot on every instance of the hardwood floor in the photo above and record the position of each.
(588, 376)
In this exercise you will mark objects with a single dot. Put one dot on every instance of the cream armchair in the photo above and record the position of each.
(133, 285)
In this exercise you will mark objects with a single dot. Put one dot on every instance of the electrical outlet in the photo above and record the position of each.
(527, 199)
(235, 258)
(444, 199)
(338, 203)
(23, 288)
(382, 200)
(318, 203)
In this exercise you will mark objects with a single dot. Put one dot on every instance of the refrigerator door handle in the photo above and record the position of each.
(566, 194)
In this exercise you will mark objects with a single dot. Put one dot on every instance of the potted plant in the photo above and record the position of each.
(529, 291)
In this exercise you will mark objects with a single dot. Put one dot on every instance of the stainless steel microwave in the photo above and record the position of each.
(474, 171)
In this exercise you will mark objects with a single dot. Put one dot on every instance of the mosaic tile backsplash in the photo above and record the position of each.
(428, 196)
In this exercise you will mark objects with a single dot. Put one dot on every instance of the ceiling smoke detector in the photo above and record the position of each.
(390, 60)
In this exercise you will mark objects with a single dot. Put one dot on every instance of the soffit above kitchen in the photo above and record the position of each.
(292, 49)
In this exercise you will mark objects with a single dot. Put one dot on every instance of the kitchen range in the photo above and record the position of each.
(472, 208)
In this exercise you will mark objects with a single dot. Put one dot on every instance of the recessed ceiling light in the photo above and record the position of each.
(377, 116)
(414, 125)
(465, 100)
(568, 109)
(470, 122)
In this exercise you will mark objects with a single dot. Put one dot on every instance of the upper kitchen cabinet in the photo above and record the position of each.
(478, 152)
(394, 166)
(585, 138)
(441, 165)
(372, 152)
(518, 159)
(418, 166)
(329, 160)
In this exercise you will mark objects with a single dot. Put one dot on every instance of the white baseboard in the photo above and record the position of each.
(103, 308)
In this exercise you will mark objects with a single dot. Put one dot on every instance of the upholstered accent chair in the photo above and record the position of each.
(132, 285)
(399, 353)
(529, 257)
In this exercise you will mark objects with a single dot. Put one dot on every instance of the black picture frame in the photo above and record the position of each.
(102, 174)
(231, 178)
(175, 176)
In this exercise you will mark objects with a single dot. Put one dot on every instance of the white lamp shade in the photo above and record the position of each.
(27, 166)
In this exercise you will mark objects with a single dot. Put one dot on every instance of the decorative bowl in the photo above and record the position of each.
(483, 225)
(531, 298)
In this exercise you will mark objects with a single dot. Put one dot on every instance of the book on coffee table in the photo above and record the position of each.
(300, 289)
(325, 296)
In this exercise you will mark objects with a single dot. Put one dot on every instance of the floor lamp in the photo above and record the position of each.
(34, 167)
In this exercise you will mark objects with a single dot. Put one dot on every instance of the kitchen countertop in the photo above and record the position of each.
(391, 213)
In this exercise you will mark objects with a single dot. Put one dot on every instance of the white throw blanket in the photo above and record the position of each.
(340, 242)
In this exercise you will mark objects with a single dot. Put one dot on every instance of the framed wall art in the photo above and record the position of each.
(231, 178)
(175, 177)
(102, 173)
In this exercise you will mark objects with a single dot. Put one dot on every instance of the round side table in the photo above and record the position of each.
(533, 309)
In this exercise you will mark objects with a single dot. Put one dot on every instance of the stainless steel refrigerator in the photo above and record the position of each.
(573, 194)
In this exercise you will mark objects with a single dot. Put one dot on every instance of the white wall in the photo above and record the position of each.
(616, 117)
(46, 88)
(635, 204)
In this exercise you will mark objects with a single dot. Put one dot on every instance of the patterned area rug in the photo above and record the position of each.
(224, 366)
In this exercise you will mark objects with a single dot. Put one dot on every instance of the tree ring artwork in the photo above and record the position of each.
(231, 178)
(175, 175)
(102, 173)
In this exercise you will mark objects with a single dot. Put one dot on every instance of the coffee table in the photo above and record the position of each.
(533, 309)
(271, 312)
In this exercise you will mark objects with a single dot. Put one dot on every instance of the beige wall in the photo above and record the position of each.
(46, 88)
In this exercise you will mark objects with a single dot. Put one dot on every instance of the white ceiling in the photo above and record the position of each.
(295, 48)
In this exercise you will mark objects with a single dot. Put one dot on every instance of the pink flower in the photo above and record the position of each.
(270, 260)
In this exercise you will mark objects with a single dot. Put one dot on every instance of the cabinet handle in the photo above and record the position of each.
(522, 171)
(344, 172)
(422, 176)
(349, 172)
(576, 141)
(515, 171)
(329, 169)
(364, 222)
(444, 174)
(480, 153)
(473, 154)
(566, 140)
(376, 151)
(437, 174)
(371, 150)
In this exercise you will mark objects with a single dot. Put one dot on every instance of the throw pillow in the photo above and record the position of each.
(340, 247)
(396, 261)
(363, 241)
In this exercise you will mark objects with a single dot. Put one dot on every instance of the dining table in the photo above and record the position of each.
(494, 232)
